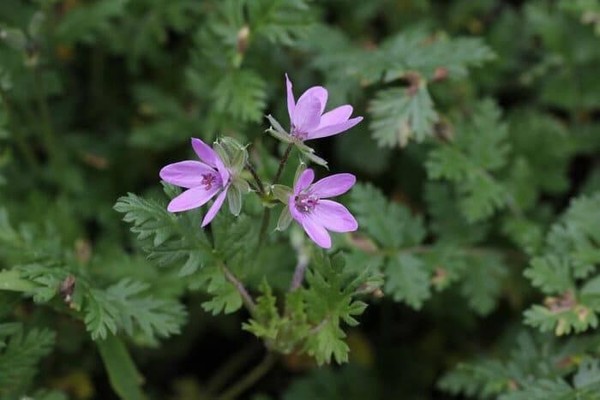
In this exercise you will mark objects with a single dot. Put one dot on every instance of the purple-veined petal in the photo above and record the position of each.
(304, 180)
(192, 198)
(291, 103)
(333, 129)
(205, 152)
(336, 116)
(316, 232)
(212, 211)
(186, 174)
(316, 91)
(333, 185)
(334, 216)
(307, 114)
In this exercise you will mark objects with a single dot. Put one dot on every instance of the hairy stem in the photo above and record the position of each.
(246, 298)
(259, 184)
(284, 159)
(267, 213)
(302, 263)
(250, 378)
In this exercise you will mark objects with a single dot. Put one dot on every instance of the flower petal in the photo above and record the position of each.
(307, 114)
(223, 171)
(212, 211)
(192, 198)
(333, 185)
(186, 174)
(316, 232)
(336, 116)
(316, 91)
(304, 180)
(296, 214)
(291, 104)
(334, 216)
(333, 129)
(205, 152)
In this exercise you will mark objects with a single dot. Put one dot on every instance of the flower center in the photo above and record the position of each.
(305, 202)
(298, 134)
(208, 180)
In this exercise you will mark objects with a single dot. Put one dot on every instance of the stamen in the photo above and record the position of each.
(208, 180)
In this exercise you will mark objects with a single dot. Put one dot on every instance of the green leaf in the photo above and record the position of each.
(390, 224)
(327, 341)
(167, 238)
(279, 21)
(550, 273)
(225, 298)
(400, 115)
(124, 377)
(138, 310)
(482, 281)
(20, 352)
(241, 95)
(480, 149)
(407, 279)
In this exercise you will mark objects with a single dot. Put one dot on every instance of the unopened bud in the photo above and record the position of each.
(243, 39)
(440, 74)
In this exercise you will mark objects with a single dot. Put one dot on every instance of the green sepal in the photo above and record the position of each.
(285, 218)
(241, 184)
(277, 126)
(234, 199)
(14, 37)
(36, 24)
(222, 152)
(284, 137)
(301, 168)
(234, 152)
(281, 192)
(316, 159)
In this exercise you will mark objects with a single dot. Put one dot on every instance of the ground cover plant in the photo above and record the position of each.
(296, 199)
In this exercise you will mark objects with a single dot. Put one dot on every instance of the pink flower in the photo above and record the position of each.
(202, 179)
(307, 118)
(309, 208)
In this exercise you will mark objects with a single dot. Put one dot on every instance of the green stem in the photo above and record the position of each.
(229, 368)
(264, 225)
(47, 128)
(250, 378)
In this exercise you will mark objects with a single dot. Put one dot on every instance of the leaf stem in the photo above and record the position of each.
(246, 298)
(250, 378)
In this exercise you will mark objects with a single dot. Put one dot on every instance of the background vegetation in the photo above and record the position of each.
(474, 271)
